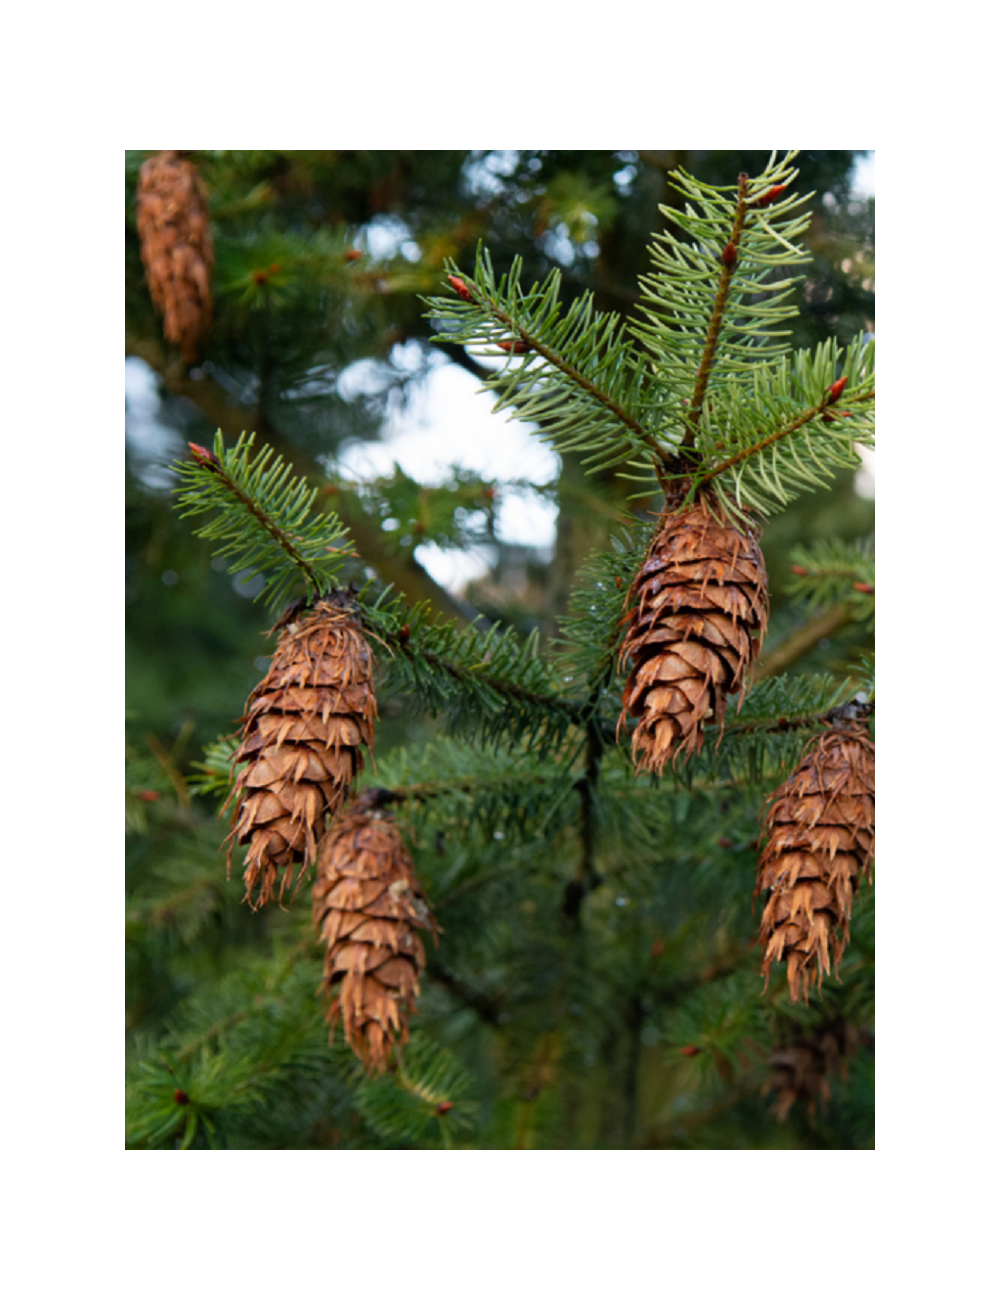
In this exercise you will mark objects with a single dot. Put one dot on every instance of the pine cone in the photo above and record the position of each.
(176, 245)
(701, 596)
(820, 829)
(303, 731)
(367, 904)
(801, 1070)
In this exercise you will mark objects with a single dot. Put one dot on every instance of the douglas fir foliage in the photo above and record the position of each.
(583, 815)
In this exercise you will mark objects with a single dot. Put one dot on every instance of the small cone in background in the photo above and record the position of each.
(820, 828)
(302, 738)
(700, 608)
(368, 905)
(176, 243)
(801, 1070)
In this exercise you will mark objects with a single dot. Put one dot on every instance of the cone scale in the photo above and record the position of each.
(303, 733)
(700, 609)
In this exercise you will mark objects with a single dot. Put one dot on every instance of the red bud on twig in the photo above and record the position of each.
(147, 796)
(768, 197)
(460, 288)
(443, 1107)
(180, 1096)
(352, 254)
(729, 255)
(689, 1051)
(797, 568)
(404, 634)
(866, 587)
(837, 388)
(517, 346)
(203, 456)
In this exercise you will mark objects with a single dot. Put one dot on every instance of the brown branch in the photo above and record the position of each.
(729, 265)
(587, 877)
(481, 1003)
(802, 641)
(854, 709)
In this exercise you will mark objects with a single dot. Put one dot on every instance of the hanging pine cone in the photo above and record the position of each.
(367, 905)
(302, 736)
(820, 829)
(176, 245)
(700, 606)
(801, 1070)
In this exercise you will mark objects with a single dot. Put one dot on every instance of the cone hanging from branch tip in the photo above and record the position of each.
(801, 1069)
(368, 906)
(176, 244)
(820, 828)
(700, 608)
(304, 730)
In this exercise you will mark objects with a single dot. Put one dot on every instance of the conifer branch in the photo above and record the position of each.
(492, 686)
(211, 465)
(263, 518)
(730, 257)
(852, 709)
(559, 362)
(802, 641)
(580, 379)
(835, 573)
(785, 431)
(484, 1006)
(586, 877)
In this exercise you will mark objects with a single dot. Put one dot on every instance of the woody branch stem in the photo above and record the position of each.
(730, 260)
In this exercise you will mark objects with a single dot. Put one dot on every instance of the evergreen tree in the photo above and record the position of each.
(593, 974)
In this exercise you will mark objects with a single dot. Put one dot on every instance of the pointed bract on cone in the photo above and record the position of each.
(368, 905)
(820, 828)
(176, 244)
(700, 608)
(302, 739)
(801, 1070)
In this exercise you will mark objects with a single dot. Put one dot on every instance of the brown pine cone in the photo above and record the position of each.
(176, 244)
(801, 1070)
(367, 904)
(700, 608)
(820, 829)
(303, 731)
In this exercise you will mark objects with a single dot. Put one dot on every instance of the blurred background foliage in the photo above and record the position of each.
(318, 338)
